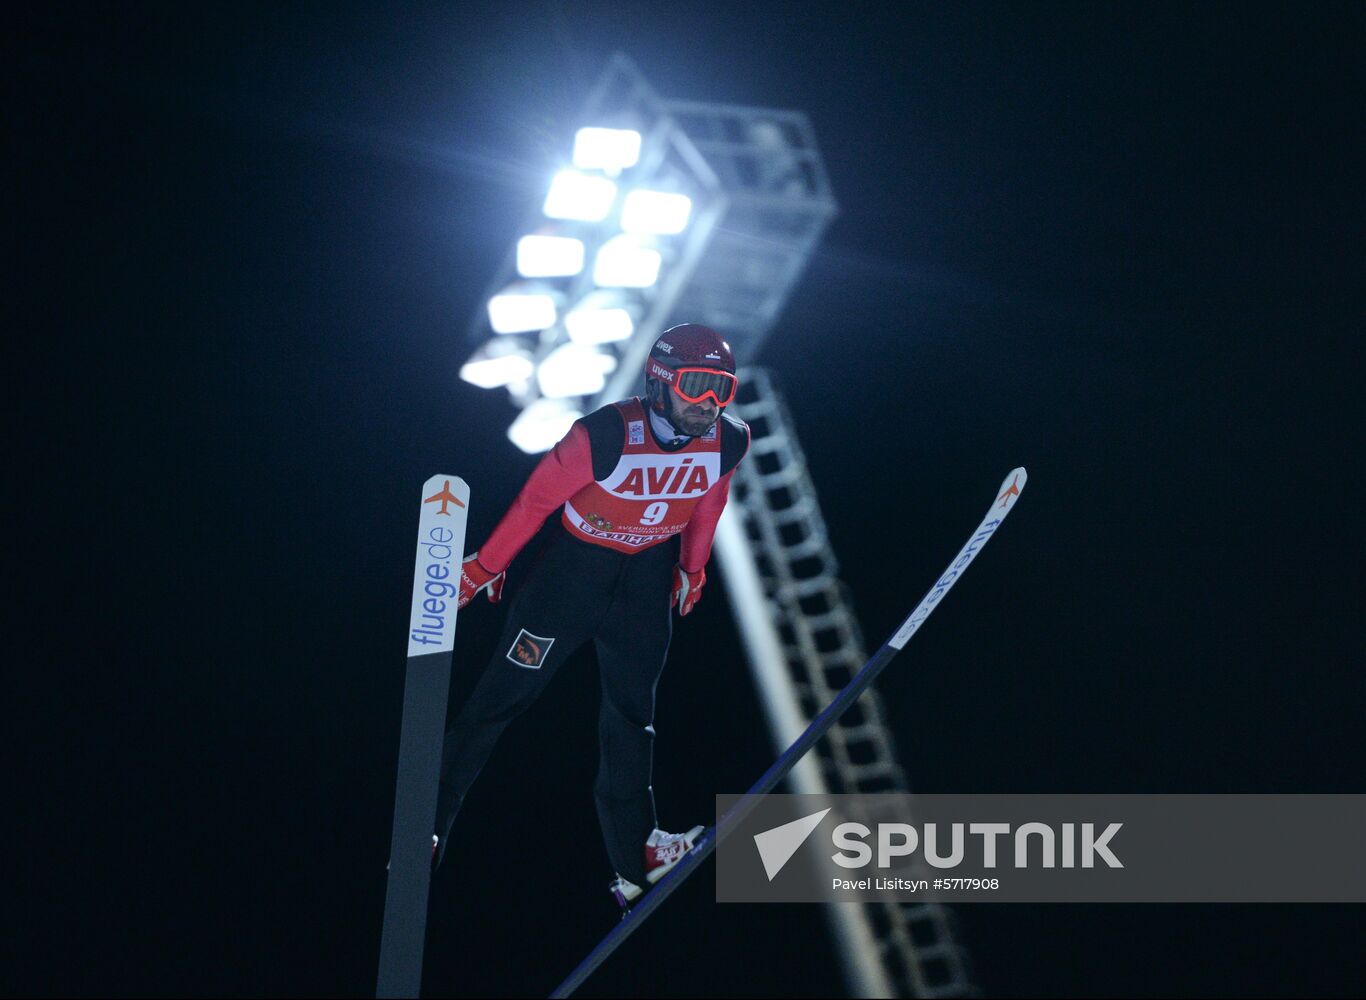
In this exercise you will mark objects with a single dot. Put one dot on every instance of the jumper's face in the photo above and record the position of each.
(691, 418)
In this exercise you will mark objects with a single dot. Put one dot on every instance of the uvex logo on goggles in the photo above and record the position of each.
(661, 371)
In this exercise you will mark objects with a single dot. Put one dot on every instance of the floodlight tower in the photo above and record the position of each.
(679, 211)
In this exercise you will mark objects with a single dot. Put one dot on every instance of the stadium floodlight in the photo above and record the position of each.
(542, 424)
(515, 310)
(497, 363)
(579, 196)
(593, 321)
(549, 256)
(609, 149)
(573, 370)
(623, 263)
(655, 212)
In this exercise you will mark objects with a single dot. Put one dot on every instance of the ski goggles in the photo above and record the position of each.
(693, 385)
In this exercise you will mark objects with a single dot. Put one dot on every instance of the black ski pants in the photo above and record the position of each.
(577, 591)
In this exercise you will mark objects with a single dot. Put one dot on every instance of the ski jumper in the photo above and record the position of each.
(630, 508)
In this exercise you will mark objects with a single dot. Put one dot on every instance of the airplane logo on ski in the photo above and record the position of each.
(446, 497)
(1004, 498)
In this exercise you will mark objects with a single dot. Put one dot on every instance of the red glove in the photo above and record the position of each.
(474, 578)
(687, 588)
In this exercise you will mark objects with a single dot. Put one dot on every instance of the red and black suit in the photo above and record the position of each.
(631, 507)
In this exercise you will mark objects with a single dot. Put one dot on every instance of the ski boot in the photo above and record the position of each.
(662, 852)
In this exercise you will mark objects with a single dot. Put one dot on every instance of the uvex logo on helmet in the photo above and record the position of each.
(693, 344)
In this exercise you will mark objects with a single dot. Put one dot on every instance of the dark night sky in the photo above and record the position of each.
(1119, 245)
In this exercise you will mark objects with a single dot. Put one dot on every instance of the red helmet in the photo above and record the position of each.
(695, 362)
(692, 345)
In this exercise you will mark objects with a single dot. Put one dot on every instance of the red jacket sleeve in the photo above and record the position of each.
(565, 470)
(701, 527)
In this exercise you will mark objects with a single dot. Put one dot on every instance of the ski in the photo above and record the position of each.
(640, 912)
(426, 686)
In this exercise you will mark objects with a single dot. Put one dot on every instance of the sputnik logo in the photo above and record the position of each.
(1004, 497)
(776, 846)
(446, 497)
